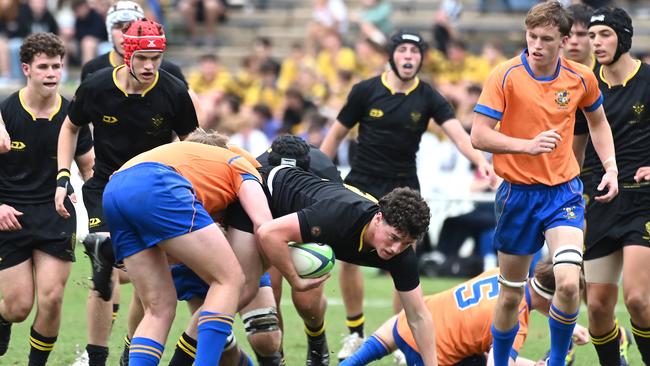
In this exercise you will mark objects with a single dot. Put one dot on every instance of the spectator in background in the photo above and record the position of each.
(249, 137)
(89, 30)
(210, 81)
(444, 25)
(374, 20)
(295, 109)
(334, 57)
(461, 69)
(262, 117)
(327, 16)
(371, 58)
(263, 51)
(8, 15)
(291, 65)
(264, 89)
(206, 11)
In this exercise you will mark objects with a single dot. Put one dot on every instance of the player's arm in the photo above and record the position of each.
(333, 139)
(85, 163)
(5, 140)
(485, 137)
(274, 237)
(253, 200)
(455, 131)
(579, 147)
(421, 324)
(601, 137)
(64, 154)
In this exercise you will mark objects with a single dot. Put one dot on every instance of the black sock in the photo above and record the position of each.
(40, 348)
(116, 309)
(185, 351)
(315, 334)
(5, 335)
(355, 324)
(642, 338)
(607, 346)
(275, 359)
(97, 355)
(124, 359)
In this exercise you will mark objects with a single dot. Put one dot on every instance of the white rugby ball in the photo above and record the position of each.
(312, 260)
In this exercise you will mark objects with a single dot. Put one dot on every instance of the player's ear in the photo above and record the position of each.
(378, 217)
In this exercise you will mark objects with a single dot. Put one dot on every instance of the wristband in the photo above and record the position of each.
(63, 180)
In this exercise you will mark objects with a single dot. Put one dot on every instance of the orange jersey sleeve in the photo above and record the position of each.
(216, 174)
(526, 106)
(462, 317)
(245, 154)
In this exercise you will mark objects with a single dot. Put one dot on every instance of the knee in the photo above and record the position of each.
(162, 307)
(263, 330)
(51, 299)
(566, 289)
(17, 308)
(599, 308)
(637, 303)
(511, 299)
(266, 343)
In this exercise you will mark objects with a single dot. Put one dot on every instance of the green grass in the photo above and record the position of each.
(72, 337)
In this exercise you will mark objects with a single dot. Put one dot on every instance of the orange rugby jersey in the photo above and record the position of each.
(527, 106)
(216, 174)
(462, 317)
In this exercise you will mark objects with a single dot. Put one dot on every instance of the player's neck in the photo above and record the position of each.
(398, 84)
(621, 70)
(130, 83)
(40, 103)
(544, 71)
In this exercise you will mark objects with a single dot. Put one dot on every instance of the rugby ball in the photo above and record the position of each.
(312, 260)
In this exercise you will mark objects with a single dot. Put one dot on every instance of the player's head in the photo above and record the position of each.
(578, 47)
(548, 25)
(144, 42)
(405, 54)
(41, 55)
(543, 283)
(289, 150)
(212, 138)
(403, 218)
(118, 16)
(610, 31)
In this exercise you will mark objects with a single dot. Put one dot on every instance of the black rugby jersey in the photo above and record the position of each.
(28, 171)
(330, 213)
(319, 164)
(104, 61)
(391, 124)
(127, 125)
(627, 109)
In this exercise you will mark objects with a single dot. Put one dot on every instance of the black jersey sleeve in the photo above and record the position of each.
(581, 126)
(404, 270)
(84, 141)
(441, 109)
(173, 69)
(353, 110)
(186, 120)
(76, 110)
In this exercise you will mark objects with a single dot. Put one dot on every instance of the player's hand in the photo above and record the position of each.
(304, 284)
(544, 143)
(9, 218)
(609, 182)
(63, 189)
(5, 140)
(580, 335)
(642, 174)
(486, 171)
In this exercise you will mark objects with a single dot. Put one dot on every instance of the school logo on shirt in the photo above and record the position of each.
(94, 222)
(647, 229)
(157, 121)
(416, 116)
(638, 108)
(569, 214)
(109, 119)
(562, 98)
(376, 113)
(18, 146)
(315, 231)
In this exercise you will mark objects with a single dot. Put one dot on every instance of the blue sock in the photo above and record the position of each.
(502, 345)
(372, 349)
(561, 325)
(214, 328)
(145, 352)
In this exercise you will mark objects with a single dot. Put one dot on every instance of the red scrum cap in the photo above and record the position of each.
(143, 36)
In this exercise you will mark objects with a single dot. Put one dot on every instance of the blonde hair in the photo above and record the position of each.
(211, 137)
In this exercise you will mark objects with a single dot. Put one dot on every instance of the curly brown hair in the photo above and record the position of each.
(47, 43)
(405, 210)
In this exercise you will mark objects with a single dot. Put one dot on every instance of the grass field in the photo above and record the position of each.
(72, 338)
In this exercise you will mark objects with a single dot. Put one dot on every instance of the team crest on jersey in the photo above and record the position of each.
(315, 231)
(416, 116)
(376, 113)
(638, 108)
(569, 213)
(157, 120)
(18, 146)
(94, 222)
(647, 230)
(562, 98)
(109, 119)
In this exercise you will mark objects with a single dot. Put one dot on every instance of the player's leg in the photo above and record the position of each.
(380, 344)
(51, 275)
(134, 316)
(245, 248)
(565, 245)
(311, 306)
(351, 284)
(636, 294)
(602, 276)
(17, 289)
(262, 325)
(514, 272)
